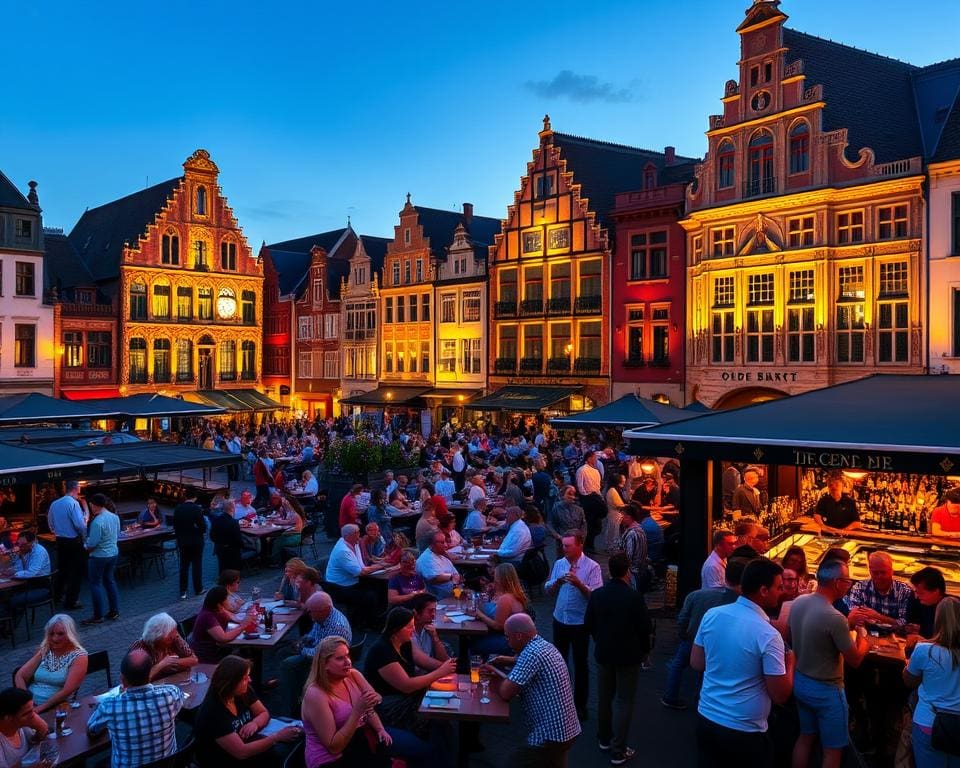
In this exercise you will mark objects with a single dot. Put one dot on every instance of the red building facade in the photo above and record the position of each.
(277, 336)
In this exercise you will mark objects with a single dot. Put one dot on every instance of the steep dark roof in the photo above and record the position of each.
(63, 268)
(376, 248)
(101, 232)
(936, 87)
(325, 240)
(948, 146)
(11, 197)
(439, 226)
(291, 258)
(603, 169)
(872, 96)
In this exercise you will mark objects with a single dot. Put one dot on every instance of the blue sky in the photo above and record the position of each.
(318, 110)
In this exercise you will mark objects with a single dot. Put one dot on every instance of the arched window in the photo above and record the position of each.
(800, 148)
(760, 178)
(138, 301)
(726, 157)
(137, 357)
(184, 360)
(161, 361)
(170, 248)
(228, 360)
(248, 361)
(201, 207)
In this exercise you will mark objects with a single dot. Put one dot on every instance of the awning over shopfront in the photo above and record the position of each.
(523, 399)
(387, 395)
(236, 400)
(36, 408)
(28, 465)
(627, 411)
(90, 394)
(697, 407)
(879, 423)
(147, 457)
(452, 394)
(253, 399)
(148, 406)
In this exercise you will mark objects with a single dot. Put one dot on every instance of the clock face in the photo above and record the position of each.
(226, 307)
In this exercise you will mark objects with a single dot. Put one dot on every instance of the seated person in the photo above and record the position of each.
(310, 484)
(476, 523)
(929, 588)
(881, 599)
(288, 588)
(377, 513)
(517, 540)
(230, 719)
(436, 569)
(56, 671)
(344, 569)
(210, 629)
(151, 517)
(394, 549)
(429, 652)
(372, 545)
(244, 508)
(447, 526)
(538, 531)
(307, 583)
(21, 728)
(406, 583)
(507, 599)
(167, 650)
(427, 525)
(397, 503)
(230, 580)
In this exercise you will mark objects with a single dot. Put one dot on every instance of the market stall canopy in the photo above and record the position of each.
(44, 435)
(626, 411)
(27, 465)
(235, 400)
(146, 457)
(451, 394)
(523, 399)
(147, 406)
(894, 423)
(36, 408)
(697, 407)
(254, 400)
(387, 395)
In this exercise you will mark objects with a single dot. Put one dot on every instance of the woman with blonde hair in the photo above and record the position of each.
(508, 598)
(292, 568)
(55, 672)
(338, 713)
(935, 668)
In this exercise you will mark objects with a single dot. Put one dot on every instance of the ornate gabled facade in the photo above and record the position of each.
(188, 291)
(26, 317)
(804, 222)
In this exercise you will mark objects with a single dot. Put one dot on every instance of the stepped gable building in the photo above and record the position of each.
(187, 292)
(649, 282)
(360, 313)
(804, 221)
(26, 316)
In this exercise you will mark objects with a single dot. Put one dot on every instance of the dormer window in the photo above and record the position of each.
(201, 201)
(649, 177)
(726, 156)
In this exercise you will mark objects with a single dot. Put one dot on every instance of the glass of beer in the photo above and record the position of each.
(475, 663)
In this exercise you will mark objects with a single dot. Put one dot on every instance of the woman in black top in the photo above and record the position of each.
(230, 718)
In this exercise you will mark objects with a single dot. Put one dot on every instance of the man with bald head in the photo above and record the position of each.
(880, 599)
(540, 679)
(327, 622)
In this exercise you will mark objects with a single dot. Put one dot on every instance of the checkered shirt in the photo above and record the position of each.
(892, 604)
(336, 624)
(141, 722)
(546, 696)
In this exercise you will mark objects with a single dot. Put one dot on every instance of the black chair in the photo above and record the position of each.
(185, 626)
(296, 757)
(99, 661)
(182, 758)
(31, 603)
(309, 536)
(356, 648)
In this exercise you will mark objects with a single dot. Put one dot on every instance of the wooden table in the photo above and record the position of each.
(283, 623)
(141, 535)
(464, 630)
(378, 581)
(470, 711)
(265, 533)
(10, 584)
(476, 559)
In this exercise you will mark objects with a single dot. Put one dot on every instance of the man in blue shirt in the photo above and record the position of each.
(67, 521)
(30, 562)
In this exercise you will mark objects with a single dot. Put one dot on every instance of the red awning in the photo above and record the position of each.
(89, 394)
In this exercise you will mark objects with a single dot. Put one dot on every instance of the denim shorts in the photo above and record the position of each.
(823, 710)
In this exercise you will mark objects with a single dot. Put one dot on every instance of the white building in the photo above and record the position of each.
(943, 244)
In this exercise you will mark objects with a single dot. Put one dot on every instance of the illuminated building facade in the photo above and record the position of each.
(804, 222)
(186, 288)
(26, 318)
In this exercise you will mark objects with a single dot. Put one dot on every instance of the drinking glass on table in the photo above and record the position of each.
(484, 685)
(476, 662)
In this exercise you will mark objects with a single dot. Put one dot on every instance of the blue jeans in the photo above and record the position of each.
(926, 756)
(102, 579)
(679, 662)
(416, 752)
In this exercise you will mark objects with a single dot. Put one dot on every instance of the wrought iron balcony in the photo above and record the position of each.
(505, 365)
(559, 306)
(589, 305)
(559, 364)
(505, 309)
(764, 186)
(531, 307)
(531, 365)
(587, 365)
(161, 378)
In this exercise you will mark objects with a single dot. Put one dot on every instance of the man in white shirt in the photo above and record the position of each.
(445, 486)
(458, 465)
(244, 507)
(518, 539)
(344, 569)
(391, 483)
(478, 490)
(713, 572)
(745, 669)
(436, 569)
(589, 480)
(573, 578)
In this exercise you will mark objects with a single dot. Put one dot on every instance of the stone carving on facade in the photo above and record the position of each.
(200, 161)
(867, 342)
(731, 88)
(737, 343)
(916, 340)
(821, 343)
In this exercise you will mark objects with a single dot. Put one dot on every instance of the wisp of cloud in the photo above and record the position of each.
(582, 88)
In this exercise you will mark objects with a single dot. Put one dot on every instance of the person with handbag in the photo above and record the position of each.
(935, 668)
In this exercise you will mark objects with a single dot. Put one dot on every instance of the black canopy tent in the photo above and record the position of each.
(411, 396)
(883, 423)
(149, 406)
(20, 465)
(521, 398)
(35, 408)
(145, 458)
(627, 411)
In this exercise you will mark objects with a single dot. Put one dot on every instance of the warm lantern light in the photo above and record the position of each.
(648, 466)
(854, 474)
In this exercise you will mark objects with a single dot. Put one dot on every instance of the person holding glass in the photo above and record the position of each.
(56, 671)
(21, 728)
(151, 517)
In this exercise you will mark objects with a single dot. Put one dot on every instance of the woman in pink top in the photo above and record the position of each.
(338, 714)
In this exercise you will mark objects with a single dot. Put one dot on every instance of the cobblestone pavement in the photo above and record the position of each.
(662, 737)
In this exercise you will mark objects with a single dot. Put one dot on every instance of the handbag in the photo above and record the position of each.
(945, 736)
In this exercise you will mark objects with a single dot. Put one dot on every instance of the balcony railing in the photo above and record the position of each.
(161, 378)
(138, 377)
(505, 365)
(587, 365)
(531, 364)
(184, 377)
(559, 306)
(558, 365)
(589, 305)
(74, 308)
(359, 334)
(505, 309)
(531, 307)
(764, 186)
(228, 376)
(248, 376)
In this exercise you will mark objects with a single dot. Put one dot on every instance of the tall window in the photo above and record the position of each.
(648, 255)
(448, 308)
(396, 273)
(201, 206)
(184, 360)
(419, 271)
(161, 361)
(161, 302)
(138, 301)
(800, 148)
(137, 360)
(413, 309)
(25, 278)
(470, 310)
(184, 304)
(955, 223)
(660, 317)
(850, 227)
(99, 349)
(723, 241)
(508, 286)
(305, 365)
(800, 231)
(331, 326)
(331, 365)
(406, 272)
(170, 249)
(205, 303)
(248, 307)
(760, 178)
(401, 357)
(760, 328)
(425, 357)
(543, 185)
(892, 220)
(956, 322)
(72, 349)
(589, 346)
(850, 329)
(248, 360)
(388, 357)
(447, 361)
(401, 310)
(532, 346)
(471, 355)
(635, 335)
(507, 343)
(200, 254)
(590, 281)
(893, 314)
(801, 329)
(561, 345)
(305, 327)
(425, 308)
(533, 290)
(560, 287)
(388, 309)
(722, 327)
(228, 256)
(726, 159)
(228, 360)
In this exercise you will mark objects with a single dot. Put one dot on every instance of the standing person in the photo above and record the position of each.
(573, 578)
(566, 516)
(262, 480)
(458, 467)
(67, 521)
(935, 668)
(189, 526)
(745, 669)
(945, 519)
(103, 550)
(349, 514)
(711, 574)
(633, 543)
(589, 481)
(821, 641)
(746, 499)
(226, 537)
(618, 621)
(540, 678)
(615, 500)
(836, 511)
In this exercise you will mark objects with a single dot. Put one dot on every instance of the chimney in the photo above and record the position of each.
(467, 214)
(669, 155)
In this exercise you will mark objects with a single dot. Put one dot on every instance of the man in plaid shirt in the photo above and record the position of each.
(881, 598)
(141, 718)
